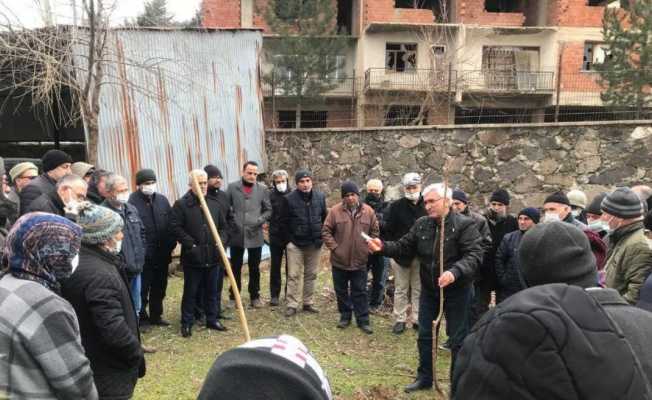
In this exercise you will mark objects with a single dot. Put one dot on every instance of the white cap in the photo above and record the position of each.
(411, 178)
(577, 198)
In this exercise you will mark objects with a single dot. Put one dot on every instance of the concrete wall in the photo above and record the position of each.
(531, 160)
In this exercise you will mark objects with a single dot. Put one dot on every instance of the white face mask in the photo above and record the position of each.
(122, 198)
(148, 190)
(551, 217)
(74, 263)
(118, 246)
(576, 213)
(282, 187)
(412, 196)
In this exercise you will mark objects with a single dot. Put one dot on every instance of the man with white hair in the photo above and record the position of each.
(377, 264)
(462, 256)
(64, 200)
(200, 259)
(402, 214)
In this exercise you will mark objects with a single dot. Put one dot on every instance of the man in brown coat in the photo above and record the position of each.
(342, 235)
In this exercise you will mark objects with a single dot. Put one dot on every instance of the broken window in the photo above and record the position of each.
(422, 4)
(344, 17)
(506, 67)
(287, 119)
(398, 115)
(401, 57)
(505, 6)
(338, 69)
(314, 119)
(594, 53)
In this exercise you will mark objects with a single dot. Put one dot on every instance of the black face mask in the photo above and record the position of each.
(372, 197)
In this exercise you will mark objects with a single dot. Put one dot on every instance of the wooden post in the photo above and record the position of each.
(558, 88)
(227, 265)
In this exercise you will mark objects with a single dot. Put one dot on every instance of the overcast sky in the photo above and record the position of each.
(29, 12)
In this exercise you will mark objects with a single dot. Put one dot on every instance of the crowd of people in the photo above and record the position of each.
(543, 303)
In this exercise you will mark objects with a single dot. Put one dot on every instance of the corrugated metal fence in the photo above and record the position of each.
(180, 99)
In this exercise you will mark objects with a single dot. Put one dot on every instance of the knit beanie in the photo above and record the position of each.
(300, 174)
(349, 187)
(20, 169)
(500, 196)
(459, 195)
(53, 158)
(594, 205)
(622, 203)
(557, 197)
(81, 169)
(145, 175)
(557, 252)
(268, 368)
(577, 198)
(100, 224)
(213, 172)
(531, 213)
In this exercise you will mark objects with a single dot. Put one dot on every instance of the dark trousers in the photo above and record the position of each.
(379, 267)
(199, 299)
(479, 304)
(152, 292)
(193, 280)
(237, 255)
(456, 300)
(351, 291)
(276, 255)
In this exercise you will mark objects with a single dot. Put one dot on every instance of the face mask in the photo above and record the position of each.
(413, 196)
(148, 190)
(282, 187)
(551, 217)
(122, 198)
(373, 196)
(117, 247)
(576, 213)
(598, 226)
(74, 263)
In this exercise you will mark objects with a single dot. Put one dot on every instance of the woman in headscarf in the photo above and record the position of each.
(41, 355)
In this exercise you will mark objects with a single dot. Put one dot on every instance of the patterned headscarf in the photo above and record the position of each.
(40, 247)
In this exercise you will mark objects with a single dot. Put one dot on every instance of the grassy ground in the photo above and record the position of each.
(359, 366)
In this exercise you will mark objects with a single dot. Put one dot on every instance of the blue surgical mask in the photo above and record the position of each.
(598, 226)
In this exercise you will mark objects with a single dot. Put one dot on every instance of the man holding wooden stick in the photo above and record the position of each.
(462, 256)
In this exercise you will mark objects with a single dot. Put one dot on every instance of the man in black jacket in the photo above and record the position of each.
(402, 214)
(56, 165)
(154, 210)
(199, 255)
(376, 263)
(462, 254)
(64, 200)
(98, 291)
(563, 338)
(278, 233)
(500, 224)
(304, 214)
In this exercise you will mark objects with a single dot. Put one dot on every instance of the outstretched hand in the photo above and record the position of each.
(374, 245)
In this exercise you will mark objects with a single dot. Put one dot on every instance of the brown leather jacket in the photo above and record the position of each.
(341, 235)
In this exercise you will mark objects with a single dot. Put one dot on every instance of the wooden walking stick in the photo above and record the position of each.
(227, 265)
(440, 313)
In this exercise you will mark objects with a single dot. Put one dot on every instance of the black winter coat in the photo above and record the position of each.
(462, 249)
(225, 208)
(98, 291)
(557, 342)
(400, 217)
(39, 185)
(381, 207)
(47, 202)
(154, 212)
(498, 229)
(278, 232)
(483, 227)
(187, 223)
(133, 243)
(509, 279)
(304, 216)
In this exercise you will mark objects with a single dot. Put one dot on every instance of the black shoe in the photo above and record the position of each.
(143, 317)
(366, 328)
(290, 312)
(274, 302)
(398, 328)
(200, 319)
(344, 322)
(217, 326)
(225, 317)
(415, 326)
(310, 308)
(418, 385)
(186, 331)
(159, 322)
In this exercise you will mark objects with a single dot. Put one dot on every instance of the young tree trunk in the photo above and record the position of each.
(298, 114)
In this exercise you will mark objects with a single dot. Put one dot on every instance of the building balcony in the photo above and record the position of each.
(336, 87)
(420, 80)
(507, 82)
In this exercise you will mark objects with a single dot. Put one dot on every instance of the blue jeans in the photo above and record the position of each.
(456, 300)
(379, 267)
(351, 291)
(134, 287)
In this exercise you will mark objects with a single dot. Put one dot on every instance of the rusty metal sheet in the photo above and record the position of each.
(175, 100)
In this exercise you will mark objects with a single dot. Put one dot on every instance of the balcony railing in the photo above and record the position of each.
(507, 81)
(341, 87)
(408, 80)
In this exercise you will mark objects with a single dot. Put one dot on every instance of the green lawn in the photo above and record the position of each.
(359, 366)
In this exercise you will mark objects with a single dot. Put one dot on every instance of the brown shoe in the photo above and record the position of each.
(310, 308)
(147, 349)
